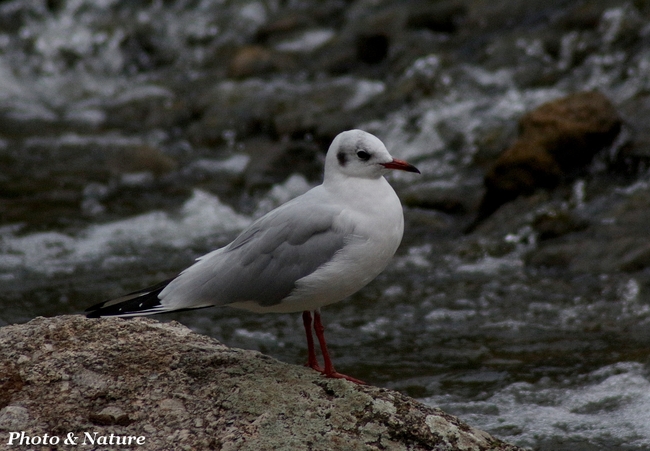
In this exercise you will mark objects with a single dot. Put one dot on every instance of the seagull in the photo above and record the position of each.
(312, 251)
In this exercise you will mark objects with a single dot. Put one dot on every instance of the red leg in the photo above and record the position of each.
(312, 362)
(329, 370)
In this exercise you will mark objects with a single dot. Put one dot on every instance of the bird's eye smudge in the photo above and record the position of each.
(342, 158)
(363, 155)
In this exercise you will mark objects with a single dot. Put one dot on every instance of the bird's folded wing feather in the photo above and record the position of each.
(264, 262)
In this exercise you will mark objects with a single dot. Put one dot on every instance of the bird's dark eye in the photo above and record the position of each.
(363, 155)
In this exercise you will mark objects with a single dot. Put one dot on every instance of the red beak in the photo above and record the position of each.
(401, 165)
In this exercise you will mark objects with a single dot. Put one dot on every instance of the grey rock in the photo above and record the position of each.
(14, 418)
(613, 240)
(179, 389)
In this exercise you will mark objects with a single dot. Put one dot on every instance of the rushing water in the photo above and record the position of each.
(129, 148)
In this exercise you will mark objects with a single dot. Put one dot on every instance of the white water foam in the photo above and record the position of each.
(308, 41)
(606, 409)
(52, 253)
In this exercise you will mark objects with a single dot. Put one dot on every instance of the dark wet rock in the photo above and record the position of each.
(144, 108)
(555, 223)
(176, 388)
(512, 216)
(372, 48)
(506, 14)
(371, 34)
(80, 159)
(282, 108)
(273, 161)
(281, 26)
(425, 222)
(637, 258)
(582, 16)
(584, 254)
(556, 139)
(250, 60)
(556, 255)
(77, 165)
(491, 138)
(452, 199)
(377, 32)
(613, 239)
(145, 48)
(16, 125)
(36, 205)
(142, 158)
(635, 153)
(621, 253)
(442, 16)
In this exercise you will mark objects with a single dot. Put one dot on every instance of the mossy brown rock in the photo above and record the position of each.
(181, 390)
(556, 139)
(251, 60)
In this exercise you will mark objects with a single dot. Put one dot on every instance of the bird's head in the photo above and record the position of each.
(355, 153)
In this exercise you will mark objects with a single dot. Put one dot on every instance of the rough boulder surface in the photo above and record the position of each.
(182, 390)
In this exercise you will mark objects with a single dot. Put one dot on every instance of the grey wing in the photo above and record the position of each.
(264, 262)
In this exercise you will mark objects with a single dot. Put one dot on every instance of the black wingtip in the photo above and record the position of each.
(141, 301)
(92, 313)
(94, 308)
